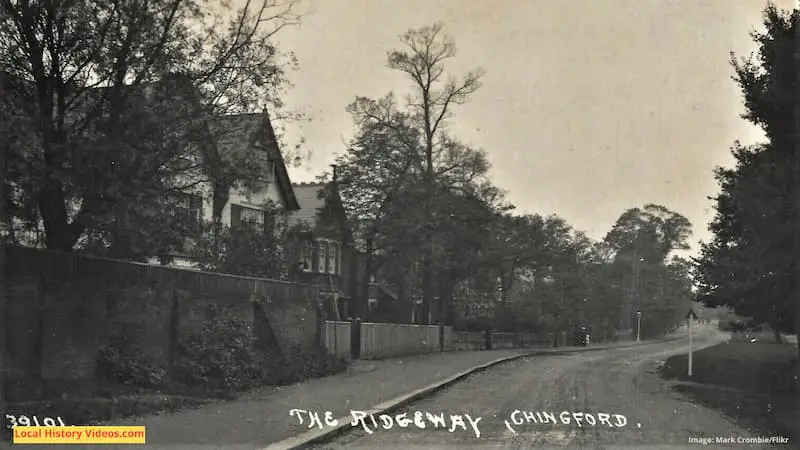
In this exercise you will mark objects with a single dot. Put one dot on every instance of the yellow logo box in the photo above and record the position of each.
(78, 435)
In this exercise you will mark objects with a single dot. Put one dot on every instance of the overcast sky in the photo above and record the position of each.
(587, 108)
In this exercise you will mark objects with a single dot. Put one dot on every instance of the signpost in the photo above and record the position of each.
(689, 316)
(638, 326)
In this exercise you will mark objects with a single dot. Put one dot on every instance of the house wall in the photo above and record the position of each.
(257, 199)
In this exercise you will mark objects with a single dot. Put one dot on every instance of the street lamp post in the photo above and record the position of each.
(638, 326)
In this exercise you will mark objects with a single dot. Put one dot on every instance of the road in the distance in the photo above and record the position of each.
(618, 381)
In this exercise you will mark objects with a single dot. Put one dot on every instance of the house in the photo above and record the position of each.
(247, 140)
(224, 169)
(323, 252)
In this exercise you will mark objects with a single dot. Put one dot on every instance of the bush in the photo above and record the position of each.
(221, 357)
(122, 360)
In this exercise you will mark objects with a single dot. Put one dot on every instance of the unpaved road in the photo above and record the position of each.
(617, 381)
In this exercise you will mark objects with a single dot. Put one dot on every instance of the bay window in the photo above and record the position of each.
(328, 257)
(307, 256)
(333, 258)
(322, 253)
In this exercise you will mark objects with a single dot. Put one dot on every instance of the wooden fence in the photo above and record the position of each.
(337, 338)
(469, 340)
(384, 340)
(479, 340)
(356, 340)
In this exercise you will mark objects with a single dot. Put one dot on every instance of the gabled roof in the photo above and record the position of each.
(235, 134)
(314, 198)
(311, 202)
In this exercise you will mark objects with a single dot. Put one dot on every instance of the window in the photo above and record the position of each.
(307, 256)
(188, 211)
(333, 258)
(323, 256)
(328, 257)
(252, 216)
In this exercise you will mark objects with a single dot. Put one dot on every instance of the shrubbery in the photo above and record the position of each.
(221, 357)
(122, 360)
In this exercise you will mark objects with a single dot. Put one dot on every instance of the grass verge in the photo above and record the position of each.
(754, 384)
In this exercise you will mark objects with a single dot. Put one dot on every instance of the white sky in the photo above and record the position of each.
(588, 107)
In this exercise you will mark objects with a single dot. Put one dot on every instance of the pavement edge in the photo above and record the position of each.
(317, 436)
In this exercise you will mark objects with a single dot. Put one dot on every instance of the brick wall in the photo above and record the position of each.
(61, 308)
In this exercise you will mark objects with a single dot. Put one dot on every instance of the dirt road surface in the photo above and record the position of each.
(617, 382)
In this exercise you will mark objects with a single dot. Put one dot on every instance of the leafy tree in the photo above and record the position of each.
(551, 276)
(651, 233)
(109, 103)
(641, 272)
(249, 249)
(372, 175)
(751, 263)
(518, 246)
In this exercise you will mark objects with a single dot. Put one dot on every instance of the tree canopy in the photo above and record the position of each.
(751, 263)
(105, 106)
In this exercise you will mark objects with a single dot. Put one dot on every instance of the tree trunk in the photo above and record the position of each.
(427, 292)
(796, 191)
(446, 288)
(777, 334)
(58, 235)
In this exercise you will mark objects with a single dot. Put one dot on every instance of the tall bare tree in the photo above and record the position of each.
(422, 57)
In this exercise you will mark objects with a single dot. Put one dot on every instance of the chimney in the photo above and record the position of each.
(334, 172)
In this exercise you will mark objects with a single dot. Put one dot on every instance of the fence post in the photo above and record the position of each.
(488, 338)
(320, 317)
(355, 338)
(441, 337)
